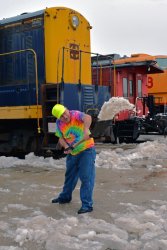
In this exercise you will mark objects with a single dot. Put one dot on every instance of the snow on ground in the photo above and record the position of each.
(152, 151)
(141, 227)
(32, 161)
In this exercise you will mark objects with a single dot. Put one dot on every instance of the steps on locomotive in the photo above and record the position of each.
(49, 99)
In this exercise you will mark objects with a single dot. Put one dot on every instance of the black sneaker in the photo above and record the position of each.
(85, 210)
(58, 200)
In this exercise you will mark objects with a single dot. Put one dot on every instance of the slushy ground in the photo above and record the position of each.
(130, 202)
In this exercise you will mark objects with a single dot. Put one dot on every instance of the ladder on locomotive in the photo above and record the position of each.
(49, 99)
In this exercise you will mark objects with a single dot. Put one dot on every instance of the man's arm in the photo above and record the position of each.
(87, 122)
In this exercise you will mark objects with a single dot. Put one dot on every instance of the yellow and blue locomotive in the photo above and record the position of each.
(45, 58)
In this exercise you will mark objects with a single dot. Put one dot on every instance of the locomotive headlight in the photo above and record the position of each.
(75, 21)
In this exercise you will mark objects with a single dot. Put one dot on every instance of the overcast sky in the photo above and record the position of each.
(119, 26)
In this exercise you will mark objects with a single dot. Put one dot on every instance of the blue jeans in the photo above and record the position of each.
(80, 166)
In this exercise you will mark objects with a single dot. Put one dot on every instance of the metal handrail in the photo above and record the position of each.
(36, 77)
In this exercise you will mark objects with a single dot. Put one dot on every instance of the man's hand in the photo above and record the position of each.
(68, 150)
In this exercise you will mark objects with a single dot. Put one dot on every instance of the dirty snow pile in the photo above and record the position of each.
(148, 155)
(151, 153)
(139, 228)
(32, 160)
(113, 107)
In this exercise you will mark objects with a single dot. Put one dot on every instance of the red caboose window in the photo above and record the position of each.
(125, 87)
(139, 88)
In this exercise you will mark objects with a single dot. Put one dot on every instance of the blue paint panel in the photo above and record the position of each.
(86, 98)
(77, 96)
(69, 96)
(17, 71)
(103, 95)
(17, 95)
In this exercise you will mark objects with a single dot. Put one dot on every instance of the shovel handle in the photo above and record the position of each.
(76, 144)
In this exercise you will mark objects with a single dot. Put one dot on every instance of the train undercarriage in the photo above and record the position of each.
(20, 137)
(19, 142)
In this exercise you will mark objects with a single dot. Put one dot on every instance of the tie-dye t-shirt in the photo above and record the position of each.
(72, 132)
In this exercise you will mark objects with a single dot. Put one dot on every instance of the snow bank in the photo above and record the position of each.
(138, 228)
(152, 153)
(32, 160)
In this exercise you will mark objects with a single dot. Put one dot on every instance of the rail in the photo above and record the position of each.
(36, 77)
(111, 65)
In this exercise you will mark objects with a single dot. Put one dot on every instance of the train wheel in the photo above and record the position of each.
(34, 145)
(121, 139)
(161, 125)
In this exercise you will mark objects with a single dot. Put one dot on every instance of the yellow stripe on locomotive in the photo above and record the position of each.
(21, 112)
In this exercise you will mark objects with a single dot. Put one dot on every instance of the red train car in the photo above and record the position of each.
(126, 76)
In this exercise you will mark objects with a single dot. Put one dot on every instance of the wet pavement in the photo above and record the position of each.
(31, 190)
(28, 191)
